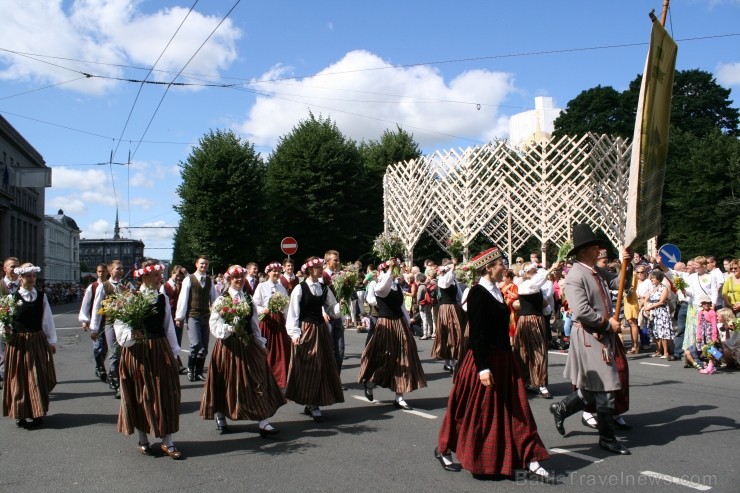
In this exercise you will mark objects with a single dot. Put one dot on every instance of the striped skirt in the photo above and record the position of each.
(451, 320)
(29, 376)
(530, 347)
(391, 360)
(312, 377)
(240, 383)
(278, 346)
(491, 429)
(150, 389)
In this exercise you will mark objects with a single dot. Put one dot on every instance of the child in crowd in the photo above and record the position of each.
(706, 333)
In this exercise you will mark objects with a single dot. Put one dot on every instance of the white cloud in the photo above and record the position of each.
(728, 74)
(91, 179)
(365, 95)
(141, 180)
(100, 198)
(111, 32)
(99, 229)
(71, 206)
(145, 204)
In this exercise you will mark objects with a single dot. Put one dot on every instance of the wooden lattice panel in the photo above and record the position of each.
(511, 194)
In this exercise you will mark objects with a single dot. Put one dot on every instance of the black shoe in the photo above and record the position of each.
(200, 377)
(587, 424)
(182, 370)
(101, 374)
(403, 406)
(264, 433)
(307, 411)
(607, 440)
(191, 376)
(623, 425)
(222, 426)
(21, 423)
(447, 368)
(612, 445)
(111, 381)
(117, 395)
(570, 405)
(447, 467)
(146, 449)
(368, 392)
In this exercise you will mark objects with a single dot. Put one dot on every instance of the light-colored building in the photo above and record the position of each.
(535, 125)
(23, 178)
(103, 251)
(61, 249)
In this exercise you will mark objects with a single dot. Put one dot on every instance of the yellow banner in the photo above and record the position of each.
(650, 143)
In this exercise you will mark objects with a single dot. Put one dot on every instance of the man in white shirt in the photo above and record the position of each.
(100, 344)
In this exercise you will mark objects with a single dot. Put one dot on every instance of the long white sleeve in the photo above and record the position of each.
(292, 319)
(447, 280)
(97, 303)
(86, 307)
(531, 286)
(182, 302)
(47, 323)
(384, 284)
(124, 334)
(370, 296)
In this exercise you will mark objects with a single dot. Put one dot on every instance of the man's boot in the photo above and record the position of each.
(180, 368)
(199, 364)
(570, 405)
(607, 440)
(100, 368)
(191, 369)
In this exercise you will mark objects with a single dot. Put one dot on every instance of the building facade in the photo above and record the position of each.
(23, 178)
(534, 126)
(103, 251)
(61, 249)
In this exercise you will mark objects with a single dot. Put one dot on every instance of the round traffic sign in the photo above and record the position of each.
(288, 245)
(670, 254)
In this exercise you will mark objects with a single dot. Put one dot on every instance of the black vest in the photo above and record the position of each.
(448, 296)
(390, 306)
(153, 325)
(530, 304)
(311, 305)
(30, 314)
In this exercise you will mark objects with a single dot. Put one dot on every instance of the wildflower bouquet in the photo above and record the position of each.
(7, 311)
(388, 245)
(277, 303)
(679, 283)
(237, 315)
(344, 285)
(130, 307)
(564, 249)
(465, 274)
(455, 245)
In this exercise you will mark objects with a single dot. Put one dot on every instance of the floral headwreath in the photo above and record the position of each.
(273, 266)
(148, 269)
(312, 263)
(27, 270)
(384, 265)
(234, 270)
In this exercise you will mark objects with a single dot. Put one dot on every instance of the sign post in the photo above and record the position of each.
(289, 246)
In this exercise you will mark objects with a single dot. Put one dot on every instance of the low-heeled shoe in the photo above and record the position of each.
(447, 467)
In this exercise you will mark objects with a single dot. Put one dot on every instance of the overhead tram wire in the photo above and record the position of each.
(180, 72)
(43, 88)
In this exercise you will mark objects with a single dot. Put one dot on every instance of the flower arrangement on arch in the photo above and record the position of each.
(455, 245)
(388, 245)
(237, 315)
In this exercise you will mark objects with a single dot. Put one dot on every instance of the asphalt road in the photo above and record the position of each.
(685, 437)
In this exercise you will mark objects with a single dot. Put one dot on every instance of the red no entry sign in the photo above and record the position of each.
(289, 246)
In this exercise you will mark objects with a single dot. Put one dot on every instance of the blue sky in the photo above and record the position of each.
(425, 65)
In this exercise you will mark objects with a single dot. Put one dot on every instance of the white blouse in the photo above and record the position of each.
(264, 292)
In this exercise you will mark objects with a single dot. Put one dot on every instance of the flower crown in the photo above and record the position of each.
(26, 270)
(273, 266)
(234, 270)
(312, 263)
(148, 269)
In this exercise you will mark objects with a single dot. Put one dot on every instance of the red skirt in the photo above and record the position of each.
(29, 376)
(491, 429)
(150, 389)
(240, 383)
(278, 346)
(451, 320)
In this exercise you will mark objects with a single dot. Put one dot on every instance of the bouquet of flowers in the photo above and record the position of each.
(679, 283)
(236, 315)
(711, 349)
(388, 245)
(455, 245)
(564, 249)
(344, 285)
(465, 274)
(7, 311)
(277, 303)
(130, 307)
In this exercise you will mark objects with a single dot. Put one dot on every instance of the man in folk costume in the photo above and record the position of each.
(331, 269)
(100, 345)
(8, 286)
(252, 279)
(591, 363)
(197, 294)
(110, 287)
(288, 278)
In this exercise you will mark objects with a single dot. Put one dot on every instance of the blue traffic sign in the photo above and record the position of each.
(670, 254)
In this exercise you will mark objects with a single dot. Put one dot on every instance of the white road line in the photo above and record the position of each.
(414, 411)
(653, 364)
(674, 480)
(558, 353)
(69, 328)
(576, 454)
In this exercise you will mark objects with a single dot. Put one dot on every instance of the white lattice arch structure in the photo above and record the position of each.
(510, 194)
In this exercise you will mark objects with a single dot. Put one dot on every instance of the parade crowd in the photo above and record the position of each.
(279, 337)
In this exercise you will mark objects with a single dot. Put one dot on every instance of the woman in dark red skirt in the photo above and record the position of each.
(272, 323)
(29, 364)
(390, 359)
(488, 423)
(240, 384)
(148, 372)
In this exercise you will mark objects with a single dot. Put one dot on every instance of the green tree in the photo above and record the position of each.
(221, 201)
(599, 110)
(315, 192)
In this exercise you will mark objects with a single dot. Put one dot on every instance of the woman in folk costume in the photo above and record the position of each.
(313, 379)
(30, 343)
(450, 318)
(489, 424)
(272, 322)
(148, 372)
(390, 359)
(531, 340)
(240, 384)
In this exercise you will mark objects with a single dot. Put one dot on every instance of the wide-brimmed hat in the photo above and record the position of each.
(583, 236)
(704, 298)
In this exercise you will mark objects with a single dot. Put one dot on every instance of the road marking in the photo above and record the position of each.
(671, 479)
(414, 411)
(559, 353)
(653, 364)
(69, 328)
(576, 454)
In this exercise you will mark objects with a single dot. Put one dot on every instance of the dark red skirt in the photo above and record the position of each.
(278, 346)
(491, 429)
(29, 376)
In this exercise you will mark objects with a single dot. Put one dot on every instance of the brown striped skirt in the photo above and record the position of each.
(29, 376)
(391, 360)
(451, 320)
(312, 377)
(530, 347)
(240, 383)
(278, 346)
(150, 389)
